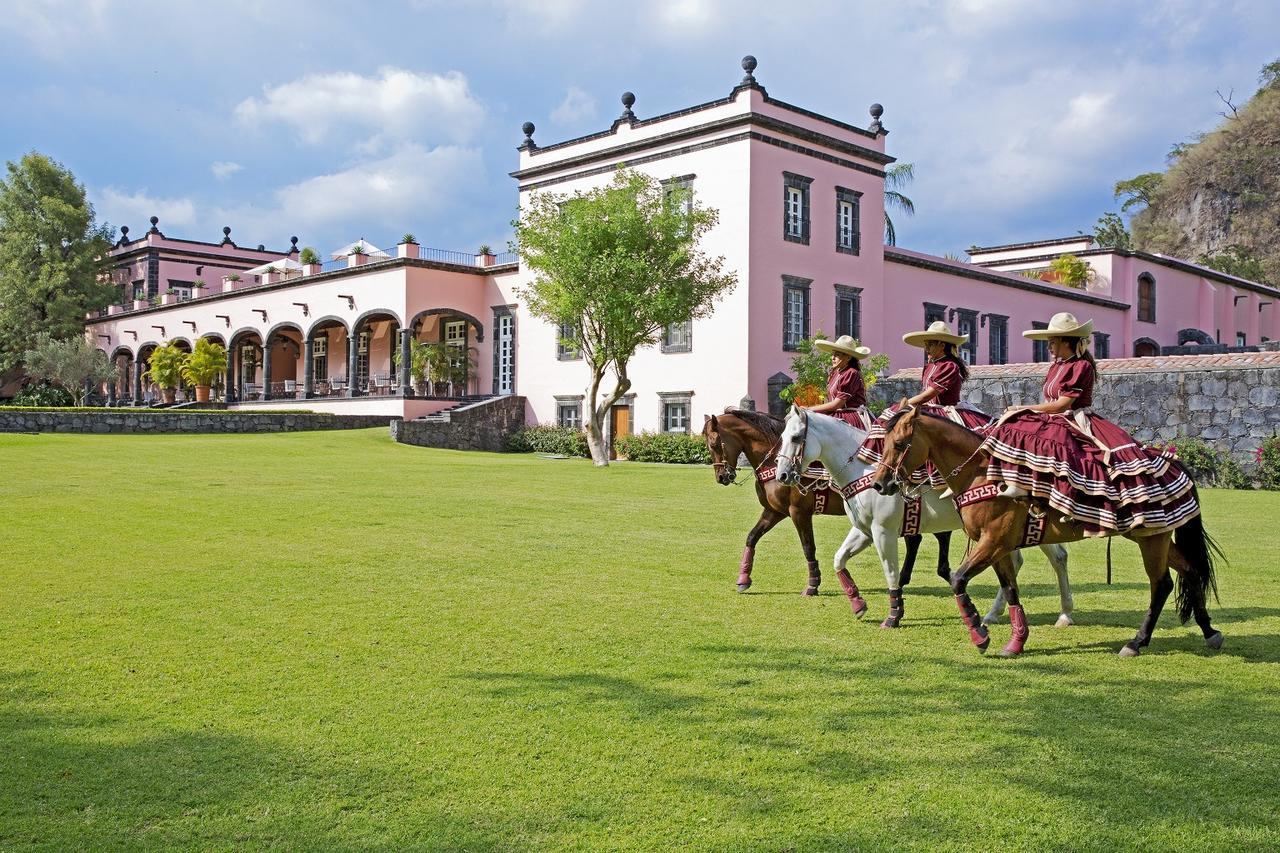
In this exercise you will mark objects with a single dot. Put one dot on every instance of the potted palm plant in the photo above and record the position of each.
(485, 256)
(165, 369)
(407, 247)
(310, 260)
(205, 364)
(358, 255)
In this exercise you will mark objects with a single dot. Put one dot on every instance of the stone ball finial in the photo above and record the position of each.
(749, 66)
(124, 232)
(527, 128)
(262, 247)
(628, 99)
(876, 111)
(226, 231)
(155, 220)
(293, 241)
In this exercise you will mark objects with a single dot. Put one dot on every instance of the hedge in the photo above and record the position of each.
(549, 438)
(673, 447)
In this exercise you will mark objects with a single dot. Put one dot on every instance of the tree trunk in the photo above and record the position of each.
(595, 426)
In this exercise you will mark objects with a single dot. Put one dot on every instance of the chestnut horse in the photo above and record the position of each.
(756, 435)
(1000, 525)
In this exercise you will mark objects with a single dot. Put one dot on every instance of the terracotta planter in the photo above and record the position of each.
(202, 393)
(170, 394)
(310, 269)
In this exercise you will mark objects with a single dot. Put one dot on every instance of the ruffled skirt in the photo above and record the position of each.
(872, 450)
(859, 418)
(1088, 468)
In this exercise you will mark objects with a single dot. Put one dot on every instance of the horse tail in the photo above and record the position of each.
(1199, 550)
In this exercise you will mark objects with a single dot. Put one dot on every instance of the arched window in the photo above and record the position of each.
(1146, 298)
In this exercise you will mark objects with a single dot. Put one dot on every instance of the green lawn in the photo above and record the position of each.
(330, 640)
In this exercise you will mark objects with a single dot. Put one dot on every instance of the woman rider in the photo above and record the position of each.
(944, 374)
(1084, 466)
(846, 393)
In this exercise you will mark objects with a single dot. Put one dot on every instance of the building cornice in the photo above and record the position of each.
(332, 275)
(134, 245)
(1158, 260)
(145, 250)
(620, 152)
(1033, 244)
(1008, 280)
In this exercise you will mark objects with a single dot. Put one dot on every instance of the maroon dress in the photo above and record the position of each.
(944, 375)
(1085, 466)
(846, 386)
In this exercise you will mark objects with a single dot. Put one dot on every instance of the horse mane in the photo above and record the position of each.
(770, 425)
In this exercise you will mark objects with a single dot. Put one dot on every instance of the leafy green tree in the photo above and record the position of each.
(71, 364)
(811, 367)
(1236, 260)
(51, 257)
(1139, 191)
(1111, 233)
(619, 264)
(1269, 76)
(896, 177)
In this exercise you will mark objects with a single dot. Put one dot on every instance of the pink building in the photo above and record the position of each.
(800, 197)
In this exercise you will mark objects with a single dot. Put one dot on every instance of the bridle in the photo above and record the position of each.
(721, 465)
(898, 474)
(797, 459)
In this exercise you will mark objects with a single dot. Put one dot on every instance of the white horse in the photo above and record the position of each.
(812, 436)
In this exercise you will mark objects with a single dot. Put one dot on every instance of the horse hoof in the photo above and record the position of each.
(990, 620)
(889, 623)
(1010, 651)
(1128, 651)
(859, 606)
(810, 591)
(983, 646)
(1214, 641)
(1064, 621)
(743, 587)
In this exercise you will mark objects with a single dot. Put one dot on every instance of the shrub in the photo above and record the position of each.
(549, 438)
(1069, 270)
(1268, 457)
(42, 394)
(1201, 461)
(1231, 476)
(673, 447)
(309, 256)
(206, 363)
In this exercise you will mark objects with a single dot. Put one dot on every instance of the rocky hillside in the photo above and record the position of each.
(1220, 199)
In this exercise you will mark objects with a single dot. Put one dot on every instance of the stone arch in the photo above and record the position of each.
(212, 336)
(327, 319)
(121, 348)
(243, 331)
(452, 312)
(1145, 348)
(1196, 336)
(374, 312)
(180, 339)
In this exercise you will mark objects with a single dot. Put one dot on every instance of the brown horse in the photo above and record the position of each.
(999, 526)
(756, 435)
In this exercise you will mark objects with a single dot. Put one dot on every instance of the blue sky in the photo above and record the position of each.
(334, 120)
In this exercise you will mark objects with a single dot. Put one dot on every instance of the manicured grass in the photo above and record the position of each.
(328, 640)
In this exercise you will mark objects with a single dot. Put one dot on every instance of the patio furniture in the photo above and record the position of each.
(380, 384)
(337, 385)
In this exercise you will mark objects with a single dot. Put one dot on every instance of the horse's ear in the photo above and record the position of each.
(712, 420)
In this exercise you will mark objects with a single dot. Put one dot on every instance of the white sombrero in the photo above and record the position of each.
(843, 344)
(1061, 325)
(937, 331)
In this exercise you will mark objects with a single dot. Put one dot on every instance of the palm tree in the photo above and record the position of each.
(896, 176)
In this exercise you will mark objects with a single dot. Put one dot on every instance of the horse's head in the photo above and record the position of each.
(904, 450)
(725, 449)
(794, 451)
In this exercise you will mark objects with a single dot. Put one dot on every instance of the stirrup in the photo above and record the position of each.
(1035, 510)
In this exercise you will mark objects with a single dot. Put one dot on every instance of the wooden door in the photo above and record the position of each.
(619, 424)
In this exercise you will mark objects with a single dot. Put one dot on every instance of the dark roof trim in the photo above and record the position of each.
(143, 242)
(718, 102)
(701, 146)
(133, 254)
(728, 123)
(1007, 280)
(1009, 247)
(389, 263)
(1159, 260)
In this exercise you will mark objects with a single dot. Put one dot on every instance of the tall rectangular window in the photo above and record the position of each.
(795, 207)
(998, 339)
(678, 337)
(679, 189)
(967, 324)
(566, 336)
(1146, 298)
(1039, 349)
(362, 359)
(1240, 339)
(848, 239)
(1101, 345)
(795, 311)
(504, 352)
(675, 410)
(320, 359)
(848, 311)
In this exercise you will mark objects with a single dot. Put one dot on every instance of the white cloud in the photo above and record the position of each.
(222, 169)
(688, 14)
(50, 26)
(135, 209)
(576, 107)
(396, 104)
(412, 184)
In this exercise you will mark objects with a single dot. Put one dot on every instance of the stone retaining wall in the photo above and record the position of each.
(487, 425)
(1230, 401)
(155, 422)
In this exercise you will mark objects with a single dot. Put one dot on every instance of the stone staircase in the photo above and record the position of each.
(442, 416)
(482, 422)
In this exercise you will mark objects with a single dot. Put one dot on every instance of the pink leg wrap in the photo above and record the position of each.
(851, 592)
(1018, 620)
(978, 633)
(744, 568)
